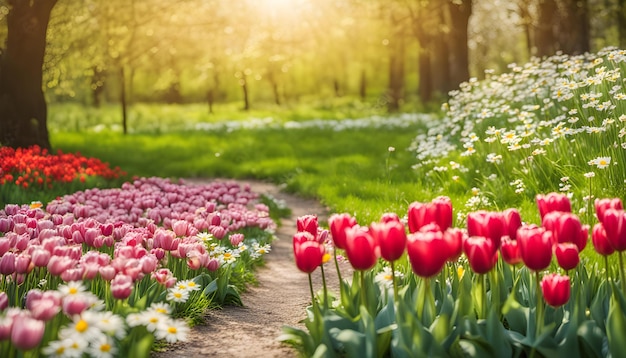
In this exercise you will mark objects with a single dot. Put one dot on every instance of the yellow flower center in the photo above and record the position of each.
(460, 271)
(161, 310)
(191, 284)
(227, 255)
(325, 258)
(82, 325)
(178, 294)
(60, 350)
(73, 291)
(154, 320)
(105, 347)
(172, 330)
(388, 277)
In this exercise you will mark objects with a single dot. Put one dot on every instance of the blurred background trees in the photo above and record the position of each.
(397, 54)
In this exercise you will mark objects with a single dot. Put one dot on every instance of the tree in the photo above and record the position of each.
(23, 109)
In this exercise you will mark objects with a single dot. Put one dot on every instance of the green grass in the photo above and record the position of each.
(349, 170)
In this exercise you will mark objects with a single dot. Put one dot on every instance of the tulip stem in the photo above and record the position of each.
(607, 268)
(363, 293)
(311, 288)
(324, 284)
(483, 288)
(621, 268)
(338, 273)
(393, 281)
(539, 305)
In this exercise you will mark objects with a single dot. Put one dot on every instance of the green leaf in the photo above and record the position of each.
(210, 288)
(616, 326)
(591, 339)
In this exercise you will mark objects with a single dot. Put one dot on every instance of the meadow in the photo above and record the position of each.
(494, 227)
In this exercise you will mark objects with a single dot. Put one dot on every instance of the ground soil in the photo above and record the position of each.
(279, 299)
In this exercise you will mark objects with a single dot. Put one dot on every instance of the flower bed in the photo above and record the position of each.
(497, 287)
(106, 272)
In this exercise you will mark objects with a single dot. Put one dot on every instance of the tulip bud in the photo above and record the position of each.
(487, 224)
(307, 251)
(308, 223)
(602, 205)
(556, 289)
(553, 202)
(26, 332)
(510, 251)
(535, 246)
(615, 226)
(338, 223)
(481, 254)
(427, 251)
(512, 222)
(360, 248)
(566, 227)
(567, 255)
(600, 241)
(390, 237)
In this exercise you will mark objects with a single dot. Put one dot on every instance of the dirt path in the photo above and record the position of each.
(279, 299)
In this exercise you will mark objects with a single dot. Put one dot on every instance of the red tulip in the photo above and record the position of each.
(338, 223)
(360, 248)
(603, 204)
(556, 289)
(512, 222)
(600, 241)
(510, 251)
(553, 202)
(427, 251)
(454, 239)
(438, 211)
(307, 251)
(487, 224)
(567, 255)
(566, 227)
(535, 244)
(308, 223)
(481, 254)
(615, 225)
(391, 239)
(389, 217)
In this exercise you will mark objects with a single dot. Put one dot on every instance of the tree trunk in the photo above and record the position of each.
(23, 110)
(574, 32)
(460, 13)
(621, 22)
(425, 89)
(440, 61)
(545, 37)
(244, 88)
(363, 86)
(123, 100)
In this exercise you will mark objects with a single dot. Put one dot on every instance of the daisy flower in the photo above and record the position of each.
(188, 285)
(65, 348)
(111, 324)
(172, 331)
(175, 294)
(72, 288)
(161, 307)
(102, 347)
(151, 319)
(82, 327)
(204, 236)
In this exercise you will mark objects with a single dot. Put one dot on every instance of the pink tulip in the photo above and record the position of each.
(212, 265)
(27, 332)
(40, 257)
(107, 272)
(164, 277)
(4, 301)
(75, 304)
(338, 223)
(236, 239)
(180, 227)
(121, 286)
(7, 263)
(44, 309)
(59, 264)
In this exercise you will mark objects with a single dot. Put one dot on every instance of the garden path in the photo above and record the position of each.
(280, 298)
